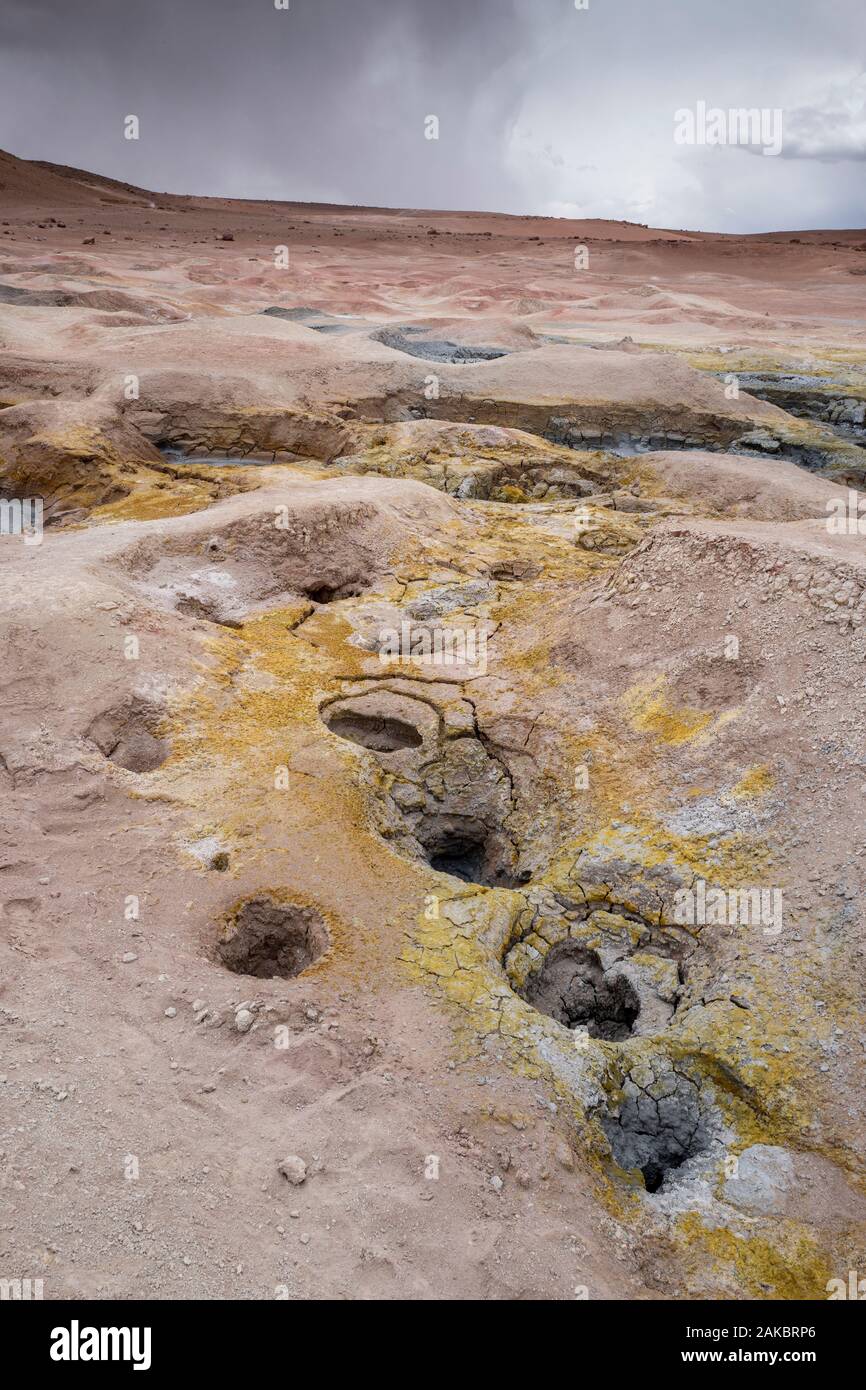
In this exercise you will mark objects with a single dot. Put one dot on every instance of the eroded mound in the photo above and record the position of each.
(325, 542)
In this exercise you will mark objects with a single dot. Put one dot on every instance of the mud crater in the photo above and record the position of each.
(573, 987)
(440, 795)
(272, 940)
(661, 1122)
(594, 968)
(330, 592)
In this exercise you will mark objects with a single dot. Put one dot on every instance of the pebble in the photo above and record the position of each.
(294, 1169)
(564, 1156)
(171, 1012)
(244, 1020)
(128, 957)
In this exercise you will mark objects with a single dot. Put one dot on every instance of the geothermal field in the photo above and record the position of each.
(432, 752)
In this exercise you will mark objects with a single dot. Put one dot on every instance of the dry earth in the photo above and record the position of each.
(325, 972)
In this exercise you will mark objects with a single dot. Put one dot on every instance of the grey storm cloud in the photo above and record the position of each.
(542, 107)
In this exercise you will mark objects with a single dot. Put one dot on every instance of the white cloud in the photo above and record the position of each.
(830, 128)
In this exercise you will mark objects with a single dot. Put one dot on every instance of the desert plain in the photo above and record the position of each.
(432, 752)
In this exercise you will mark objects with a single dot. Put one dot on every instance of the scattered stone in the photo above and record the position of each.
(294, 1169)
(564, 1156)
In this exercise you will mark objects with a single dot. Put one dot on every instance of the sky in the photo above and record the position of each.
(542, 107)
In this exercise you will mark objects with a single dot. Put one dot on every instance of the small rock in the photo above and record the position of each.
(128, 957)
(564, 1156)
(244, 1020)
(294, 1169)
(171, 1012)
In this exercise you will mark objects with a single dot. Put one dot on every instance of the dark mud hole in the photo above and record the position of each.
(572, 987)
(273, 940)
(656, 1130)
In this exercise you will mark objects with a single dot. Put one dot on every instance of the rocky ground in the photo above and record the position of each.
(424, 614)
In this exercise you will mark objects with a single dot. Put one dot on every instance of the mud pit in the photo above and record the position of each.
(268, 940)
(659, 1128)
(572, 987)
(417, 343)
